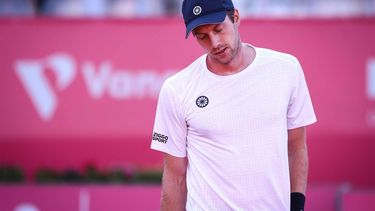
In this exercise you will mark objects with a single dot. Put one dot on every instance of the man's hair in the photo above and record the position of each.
(230, 14)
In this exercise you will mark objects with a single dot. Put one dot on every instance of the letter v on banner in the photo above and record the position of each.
(371, 79)
(32, 76)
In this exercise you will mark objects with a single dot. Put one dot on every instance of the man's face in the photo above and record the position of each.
(221, 41)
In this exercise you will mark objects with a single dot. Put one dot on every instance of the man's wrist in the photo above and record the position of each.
(297, 201)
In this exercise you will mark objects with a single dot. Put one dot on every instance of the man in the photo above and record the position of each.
(232, 124)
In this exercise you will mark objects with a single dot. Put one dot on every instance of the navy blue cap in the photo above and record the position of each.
(201, 12)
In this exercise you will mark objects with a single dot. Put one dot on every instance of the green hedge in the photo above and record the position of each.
(90, 174)
(11, 174)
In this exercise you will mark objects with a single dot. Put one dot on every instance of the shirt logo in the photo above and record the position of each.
(160, 138)
(202, 101)
(197, 10)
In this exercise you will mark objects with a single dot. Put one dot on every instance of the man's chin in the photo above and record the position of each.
(223, 61)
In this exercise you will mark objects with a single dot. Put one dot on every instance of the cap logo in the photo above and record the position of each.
(197, 10)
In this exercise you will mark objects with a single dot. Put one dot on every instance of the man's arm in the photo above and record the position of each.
(174, 190)
(298, 167)
(298, 159)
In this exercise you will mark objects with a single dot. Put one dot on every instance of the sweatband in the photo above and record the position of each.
(297, 201)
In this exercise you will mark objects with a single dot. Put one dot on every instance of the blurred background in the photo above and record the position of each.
(80, 81)
(162, 8)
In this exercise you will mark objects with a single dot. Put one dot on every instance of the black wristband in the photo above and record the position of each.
(297, 201)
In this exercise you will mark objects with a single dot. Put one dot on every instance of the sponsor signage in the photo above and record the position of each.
(99, 80)
(102, 78)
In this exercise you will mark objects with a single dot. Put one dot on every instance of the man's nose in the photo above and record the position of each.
(215, 41)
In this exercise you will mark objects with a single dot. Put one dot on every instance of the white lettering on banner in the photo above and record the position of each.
(96, 81)
(99, 80)
(147, 83)
(26, 207)
(84, 200)
(121, 84)
(370, 116)
(371, 79)
(36, 84)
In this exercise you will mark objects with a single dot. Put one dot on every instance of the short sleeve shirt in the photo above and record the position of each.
(233, 130)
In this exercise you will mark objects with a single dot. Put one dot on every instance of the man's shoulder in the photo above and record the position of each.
(187, 74)
(276, 56)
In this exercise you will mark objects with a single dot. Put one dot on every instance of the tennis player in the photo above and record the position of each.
(232, 124)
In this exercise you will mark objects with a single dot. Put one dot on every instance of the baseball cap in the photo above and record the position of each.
(201, 12)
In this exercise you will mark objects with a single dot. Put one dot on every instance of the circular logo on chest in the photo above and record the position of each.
(197, 10)
(202, 101)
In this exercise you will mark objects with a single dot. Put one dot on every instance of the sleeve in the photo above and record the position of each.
(170, 129)
(300, 109)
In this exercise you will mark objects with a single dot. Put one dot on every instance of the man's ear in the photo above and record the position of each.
(236, 16)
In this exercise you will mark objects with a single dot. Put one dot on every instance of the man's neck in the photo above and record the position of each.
(244, 57)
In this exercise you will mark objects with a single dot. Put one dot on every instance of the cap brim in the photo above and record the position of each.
(213, 18)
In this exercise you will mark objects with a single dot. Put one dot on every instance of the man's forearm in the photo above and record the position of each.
(174, 192)
(298, 165)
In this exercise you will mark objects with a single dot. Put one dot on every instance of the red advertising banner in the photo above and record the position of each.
(89, 87)
(85, 78)
(79, 198)
(147, 197)
(89, 78)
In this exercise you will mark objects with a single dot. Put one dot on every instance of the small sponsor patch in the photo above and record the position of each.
(160, 138)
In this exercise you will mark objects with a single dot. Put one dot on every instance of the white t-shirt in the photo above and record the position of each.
(233, 130)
